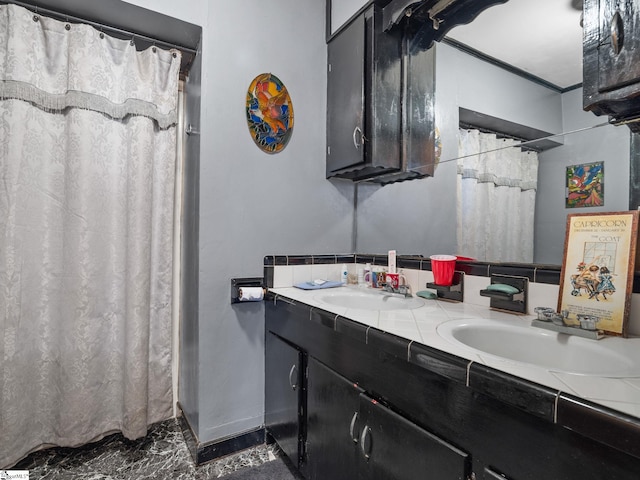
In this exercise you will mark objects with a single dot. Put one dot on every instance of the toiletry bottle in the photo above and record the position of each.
(343, 274)
(367, 274)
(392, 261)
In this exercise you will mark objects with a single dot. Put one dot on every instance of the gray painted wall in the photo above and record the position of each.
(609, 144)
(252, 203)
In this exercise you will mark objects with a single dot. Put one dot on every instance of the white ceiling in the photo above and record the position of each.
(541, 37)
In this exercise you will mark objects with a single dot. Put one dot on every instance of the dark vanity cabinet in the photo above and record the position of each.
(337, 430)
(612, 59)
(365, 439)
(332, 424)
(363, 99)
(347, 401)
(391, 446)
(332, 428)
(284, 395)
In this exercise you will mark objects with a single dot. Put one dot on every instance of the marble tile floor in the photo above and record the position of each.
(161, 455)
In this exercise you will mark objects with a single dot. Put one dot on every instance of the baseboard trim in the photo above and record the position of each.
(209, 451)
(221, 448)
(190, 438)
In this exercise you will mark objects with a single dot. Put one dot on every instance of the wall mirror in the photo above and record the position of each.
(505, 68)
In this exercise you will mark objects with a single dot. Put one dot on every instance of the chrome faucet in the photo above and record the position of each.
(404, 290)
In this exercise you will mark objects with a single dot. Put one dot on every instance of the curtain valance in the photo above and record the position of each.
(79, 66)
(500, 162)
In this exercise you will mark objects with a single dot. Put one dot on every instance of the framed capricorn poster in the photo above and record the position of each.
(596, 280)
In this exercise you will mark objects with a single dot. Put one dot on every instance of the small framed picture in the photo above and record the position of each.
(585, 185)
(596, 280)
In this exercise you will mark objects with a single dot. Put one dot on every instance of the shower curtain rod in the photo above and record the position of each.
(108, 29)
(469, 126)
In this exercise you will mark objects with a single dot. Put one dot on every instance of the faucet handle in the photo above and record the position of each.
(405, 289)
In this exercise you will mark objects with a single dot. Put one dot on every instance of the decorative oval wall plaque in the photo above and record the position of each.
(269, 113)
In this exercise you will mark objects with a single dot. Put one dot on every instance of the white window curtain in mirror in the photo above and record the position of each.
(87, 167)
(497, 184)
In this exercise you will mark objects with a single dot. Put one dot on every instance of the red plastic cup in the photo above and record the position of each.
(463, 267)
(443, 267)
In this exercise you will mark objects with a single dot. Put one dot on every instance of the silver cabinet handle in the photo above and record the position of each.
(352, 427)
(292, 377)
(617, 33)
(358, 143)
(365, 442)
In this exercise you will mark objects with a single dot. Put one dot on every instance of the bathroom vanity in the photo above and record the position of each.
(345, 400)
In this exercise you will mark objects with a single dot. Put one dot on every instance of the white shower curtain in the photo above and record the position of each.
(87, 156)
(497, 184)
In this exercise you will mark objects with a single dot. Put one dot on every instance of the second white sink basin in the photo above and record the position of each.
(518, 342)
(367, 300)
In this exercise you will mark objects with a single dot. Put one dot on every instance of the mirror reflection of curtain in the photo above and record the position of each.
(496, 198)
(87, 169)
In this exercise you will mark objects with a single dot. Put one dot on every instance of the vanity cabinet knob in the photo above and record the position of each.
(365, 442)
(293, 381)
(352, 427)
(617, 33)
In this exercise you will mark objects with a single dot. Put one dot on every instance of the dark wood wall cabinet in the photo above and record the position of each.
(611, 68)
(350, 402)
(381, 88)
(363, 100)
(380, 103)
(351, 109)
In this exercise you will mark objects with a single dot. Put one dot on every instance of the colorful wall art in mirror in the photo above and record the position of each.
(585, 185)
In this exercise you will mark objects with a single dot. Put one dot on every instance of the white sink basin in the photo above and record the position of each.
(370, 301)
(521, 343)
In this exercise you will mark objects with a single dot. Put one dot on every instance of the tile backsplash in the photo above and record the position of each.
(286, 271)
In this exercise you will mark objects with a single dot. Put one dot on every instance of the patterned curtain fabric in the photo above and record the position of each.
(497, 184)
(87, 167)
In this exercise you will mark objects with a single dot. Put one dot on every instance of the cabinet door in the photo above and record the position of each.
(283, 394)
(332, 425)
(393, 448)
(346, 97)
(619, 48)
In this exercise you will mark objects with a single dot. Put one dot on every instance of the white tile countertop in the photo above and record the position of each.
(420, 324)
